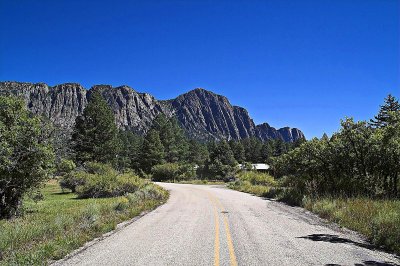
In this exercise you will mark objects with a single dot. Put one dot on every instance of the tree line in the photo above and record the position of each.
(361, 159)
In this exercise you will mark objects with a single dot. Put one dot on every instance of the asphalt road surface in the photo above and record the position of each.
(212, 225)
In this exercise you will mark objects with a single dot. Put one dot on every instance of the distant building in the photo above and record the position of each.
(256, 166)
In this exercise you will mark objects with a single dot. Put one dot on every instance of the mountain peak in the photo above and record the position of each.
(203, 114)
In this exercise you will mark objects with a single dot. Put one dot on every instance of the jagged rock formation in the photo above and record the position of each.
(203, 114)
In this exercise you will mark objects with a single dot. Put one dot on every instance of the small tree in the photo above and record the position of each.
(95, 133)
(26, 154)
(384, 116)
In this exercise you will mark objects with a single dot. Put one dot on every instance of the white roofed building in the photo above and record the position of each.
(255, 166)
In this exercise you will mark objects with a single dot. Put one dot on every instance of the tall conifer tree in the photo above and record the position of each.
(95, 133)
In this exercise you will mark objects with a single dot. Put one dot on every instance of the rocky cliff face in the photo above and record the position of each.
(133, 111)
(61, 103)
(207, 115)
(203, 114)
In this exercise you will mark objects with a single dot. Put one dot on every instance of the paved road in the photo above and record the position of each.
(212, 225)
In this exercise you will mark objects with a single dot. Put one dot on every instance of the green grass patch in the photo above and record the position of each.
(246, 186)
(378, 220)
(52, 228)
(259, 184)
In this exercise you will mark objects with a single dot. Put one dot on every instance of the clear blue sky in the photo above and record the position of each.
(305, 64)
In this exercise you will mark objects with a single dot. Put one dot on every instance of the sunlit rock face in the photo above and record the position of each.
(203, 114)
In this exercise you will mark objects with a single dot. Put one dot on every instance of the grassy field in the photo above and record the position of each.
(60, 223)
(378, 220)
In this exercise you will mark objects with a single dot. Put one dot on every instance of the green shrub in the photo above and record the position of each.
(72, 180)
(65, 167)
(257, 178)
(148, 192)
(163, 172)
(172, 171)
(101, 180)
(386, 229)
(122, 205)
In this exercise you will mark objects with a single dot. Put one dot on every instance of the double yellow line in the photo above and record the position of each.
(215, 201)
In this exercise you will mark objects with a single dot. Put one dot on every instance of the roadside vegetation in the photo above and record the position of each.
(51, 228)
(55, 195)
(351, 178)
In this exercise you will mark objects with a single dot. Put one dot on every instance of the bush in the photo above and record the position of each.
(65, 167)
(163, 172)
(257, 178)
(72, 180)
(26, 154)
(172, 171)
(101, 180)
(69, 178)
(149, 192)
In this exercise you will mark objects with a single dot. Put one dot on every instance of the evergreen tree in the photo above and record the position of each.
(238, 150)
(384, 117)
(152, 152)
(252, 147)
(198, 153)
(280, 147)
(222, 163)
(129, 154)
(95, 133)
(172, 138)
(267, 151)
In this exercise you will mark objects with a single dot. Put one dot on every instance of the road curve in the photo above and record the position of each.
(212, 225)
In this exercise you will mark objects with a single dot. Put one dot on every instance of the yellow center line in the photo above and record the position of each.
(216, 240)
(231, 249)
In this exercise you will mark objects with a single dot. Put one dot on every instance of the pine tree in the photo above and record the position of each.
(152, 152)
(385, 116)
(222, 163)
(172, 138)
(129, 153)
(280, 147)
(198, 153)
(238, 150)
(252, 147)
(95, 133)
(267, 151)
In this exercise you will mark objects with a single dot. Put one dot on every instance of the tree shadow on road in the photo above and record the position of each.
(336, 239)
(369, 263)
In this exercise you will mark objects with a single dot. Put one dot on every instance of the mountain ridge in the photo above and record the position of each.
(203, 114)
